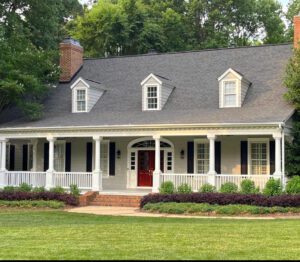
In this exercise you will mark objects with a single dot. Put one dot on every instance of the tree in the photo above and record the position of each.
(293, 9)
(30, 31)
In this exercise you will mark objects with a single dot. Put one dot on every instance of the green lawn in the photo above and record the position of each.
(60, 235)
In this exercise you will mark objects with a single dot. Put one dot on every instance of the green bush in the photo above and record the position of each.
(58, 190)
(207, 188)
(167, 188)
(229, 188)
(293, 185)
(8, 189)
(273, 187)
(248, 187)
(24, 188)
(184, 189)
(74, 190)
(39, 189)
(197, 208)
(32, 203)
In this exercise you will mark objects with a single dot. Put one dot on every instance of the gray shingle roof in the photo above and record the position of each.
(195, 99)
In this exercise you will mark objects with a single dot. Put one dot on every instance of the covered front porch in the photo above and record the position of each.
(123, 162)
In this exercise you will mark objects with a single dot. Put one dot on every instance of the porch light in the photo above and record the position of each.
(119, 154)
(182, 154)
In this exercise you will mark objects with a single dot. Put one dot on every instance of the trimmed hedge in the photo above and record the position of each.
(68, 199)
(225, 199)
(32, 204)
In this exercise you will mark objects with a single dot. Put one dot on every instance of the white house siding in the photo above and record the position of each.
(94, 95)
(165, 93)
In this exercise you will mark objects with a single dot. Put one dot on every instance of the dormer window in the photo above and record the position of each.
(155, 92)
(233, 87)
(81, 100)
(230, 93)
(152, 97)
(85, 94)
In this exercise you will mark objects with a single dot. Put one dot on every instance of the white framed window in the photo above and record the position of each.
(201, 156)
(80, 100)
(104, 157)
(258, 157)
(59, 156)
(230, 93)
(152, 97)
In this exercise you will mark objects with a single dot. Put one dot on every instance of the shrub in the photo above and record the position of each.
(207, 188)
(248, 187)
(293, 185)
(194, 208)
(184, 189)
(24, 188)
(38, 190)
(29, 204)
(66, 198)
(225, 199)
(167, 188)
(229, 188)
(74, 190)
(273, 187)
(9, 189)
(58, 190)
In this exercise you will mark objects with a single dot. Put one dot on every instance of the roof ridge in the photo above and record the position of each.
(188, 51)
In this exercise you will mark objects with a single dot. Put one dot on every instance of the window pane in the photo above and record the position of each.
(202, 158)
(259, 160)
(152, 97)
(59, 157)
(230, 100)
(81, 100)
(104, 158)
(229, 87)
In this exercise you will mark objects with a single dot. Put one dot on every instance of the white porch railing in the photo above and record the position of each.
(16, 178)
(259, 180)
(64, 179)
(196, 181)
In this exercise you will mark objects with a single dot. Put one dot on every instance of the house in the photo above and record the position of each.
(126, 124)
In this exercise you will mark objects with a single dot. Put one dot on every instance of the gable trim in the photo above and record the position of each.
(230, 70)
(151, 76)
(80, 79)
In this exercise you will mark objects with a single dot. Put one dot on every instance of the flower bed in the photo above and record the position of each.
(68, 199)
(32, 204)
(225, 199)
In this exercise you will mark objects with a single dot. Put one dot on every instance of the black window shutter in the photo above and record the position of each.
(25, 158)
(12, 157)
(190, 157)
(89, 157)
(218, 157)
(68, 157)
(272, 157)
(46, 156)
(244, 157)
(112, 158)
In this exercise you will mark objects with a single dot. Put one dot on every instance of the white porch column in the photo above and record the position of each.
(2, 161)
(97, 173)
(49, 172)
(3, 142)
(212, 170)
(34, 143)
(278, 171)
(157, 172)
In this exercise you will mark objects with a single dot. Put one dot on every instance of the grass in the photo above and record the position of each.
(59, 235)
(203, 208)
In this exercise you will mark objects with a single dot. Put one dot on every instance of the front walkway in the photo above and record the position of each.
(135, 212)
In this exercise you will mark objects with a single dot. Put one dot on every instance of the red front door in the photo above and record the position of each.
(146, 166)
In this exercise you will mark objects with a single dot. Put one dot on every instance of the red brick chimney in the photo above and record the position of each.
(296, 31)
(71, 59)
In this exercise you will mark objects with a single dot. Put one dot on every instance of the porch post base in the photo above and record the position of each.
(212, 178)
(97, 181)
(156, 181)
(49, 176)
(277, 176)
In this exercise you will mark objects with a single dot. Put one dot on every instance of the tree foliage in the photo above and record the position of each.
(30, 31)
(137, 26)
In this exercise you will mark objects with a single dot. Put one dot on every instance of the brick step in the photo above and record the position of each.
(116, 200)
